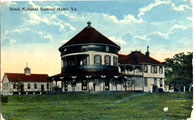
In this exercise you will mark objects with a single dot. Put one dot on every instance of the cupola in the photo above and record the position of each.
(27, 70)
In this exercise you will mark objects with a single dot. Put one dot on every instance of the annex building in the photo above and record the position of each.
(25, 83)
(90, 62)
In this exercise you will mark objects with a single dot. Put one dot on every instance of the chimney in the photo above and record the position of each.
(147, 53)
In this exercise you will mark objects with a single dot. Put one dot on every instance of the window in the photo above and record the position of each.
(107, 60)
(84, 48)
(160, 82)
(35, 86)
(47, 86)
(65, 61)
(160, 70)
(97, 59)
(115, 60)
(85, 61)
(14, 85)
(154, 69)
(155, 81)
(145, 68)
(145, 82)
(28, 86)
(107, 48)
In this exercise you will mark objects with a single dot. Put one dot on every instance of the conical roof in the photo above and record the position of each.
(87, 36)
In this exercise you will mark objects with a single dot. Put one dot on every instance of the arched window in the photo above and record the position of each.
(97, 59)
(115, 60)
(107, 60)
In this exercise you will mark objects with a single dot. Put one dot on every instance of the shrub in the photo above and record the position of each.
(4, 99)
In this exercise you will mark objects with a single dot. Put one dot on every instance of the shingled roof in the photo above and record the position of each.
(89, 35)
(13, 77)
(137, 57)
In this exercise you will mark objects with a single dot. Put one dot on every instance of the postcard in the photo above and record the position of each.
(75, 60)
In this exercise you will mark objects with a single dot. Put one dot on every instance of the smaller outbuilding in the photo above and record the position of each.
(25, 83)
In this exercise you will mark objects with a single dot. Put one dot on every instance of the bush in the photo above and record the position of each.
(4, 99)
(160, 90)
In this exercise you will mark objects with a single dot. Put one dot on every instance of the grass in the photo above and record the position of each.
(102, 106)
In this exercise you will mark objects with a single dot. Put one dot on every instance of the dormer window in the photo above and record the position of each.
(84, 48)
(107, 48)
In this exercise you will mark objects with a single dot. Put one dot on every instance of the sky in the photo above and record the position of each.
(33, 37)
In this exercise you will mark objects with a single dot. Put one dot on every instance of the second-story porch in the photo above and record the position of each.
(131, 70)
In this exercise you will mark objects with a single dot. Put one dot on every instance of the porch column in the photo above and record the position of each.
(62, 83)
(73, 79)
(88, 82)
(91, 58)
(125, 79)
(116, 79)
(103, 77)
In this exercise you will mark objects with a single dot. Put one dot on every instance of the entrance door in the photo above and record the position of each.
(66, 85)
(42, 87)
(106, 84)
(84, 84)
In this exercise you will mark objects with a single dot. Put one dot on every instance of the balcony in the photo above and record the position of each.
(107, 68)
(133, 73)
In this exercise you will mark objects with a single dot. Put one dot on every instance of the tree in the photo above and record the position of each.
(19, 85)
(179, 70)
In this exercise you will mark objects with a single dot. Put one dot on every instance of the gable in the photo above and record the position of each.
(5, 79)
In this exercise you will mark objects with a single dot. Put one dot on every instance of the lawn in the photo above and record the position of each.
(101, 106)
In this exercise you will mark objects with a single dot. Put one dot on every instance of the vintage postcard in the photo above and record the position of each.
(104, 60)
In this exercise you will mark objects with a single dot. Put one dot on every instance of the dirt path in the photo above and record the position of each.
(126, 98)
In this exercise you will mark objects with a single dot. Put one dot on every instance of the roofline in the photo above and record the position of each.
(89, 44)
(24, 73)
(30, 81)
(105, 36)
(3, 78)
(122, 54)
(152, 58)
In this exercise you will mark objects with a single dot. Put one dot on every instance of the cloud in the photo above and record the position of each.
(33, 4)
(179, 8)
(7, 3)
(165, 35)
(117, 40)
(143, 10)
(176, 26)
(127, 19)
